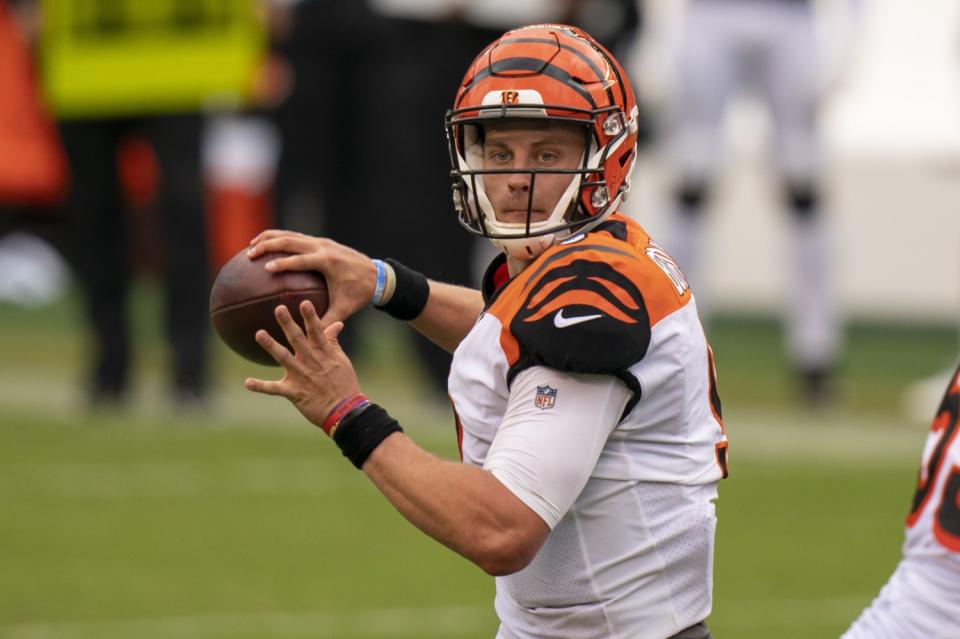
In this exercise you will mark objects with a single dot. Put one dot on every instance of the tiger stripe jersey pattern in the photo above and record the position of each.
(587, 387)
(921, 600)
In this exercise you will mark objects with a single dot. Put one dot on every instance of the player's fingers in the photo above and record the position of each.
(272, 233)
(265, 387)
(309, 259)
(276, 350)
(311, 321)
(262, 235)
(331, 333)
(285, 241)
(323, 336)
(291, 329)
(268, 234)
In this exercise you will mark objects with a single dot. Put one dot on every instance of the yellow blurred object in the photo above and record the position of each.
(142, 57)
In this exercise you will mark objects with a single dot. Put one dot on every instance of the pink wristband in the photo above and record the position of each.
(339, 411)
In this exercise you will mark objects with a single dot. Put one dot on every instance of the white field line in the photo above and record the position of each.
(832, 439)
(175, 478)
(842, 442)
(379, 623)
(61, 397)
(230, 406)
(845, 443)
(829, 437)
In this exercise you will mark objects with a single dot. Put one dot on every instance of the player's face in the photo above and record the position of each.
(529, 145)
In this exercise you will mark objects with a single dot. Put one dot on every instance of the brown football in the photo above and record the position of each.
(245, 294)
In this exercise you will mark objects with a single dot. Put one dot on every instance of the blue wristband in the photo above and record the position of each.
(408, 292)
(381, 282)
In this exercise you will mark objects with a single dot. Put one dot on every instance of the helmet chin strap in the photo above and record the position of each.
(529, 248)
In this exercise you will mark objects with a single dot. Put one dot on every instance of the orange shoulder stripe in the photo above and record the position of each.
(640, 274)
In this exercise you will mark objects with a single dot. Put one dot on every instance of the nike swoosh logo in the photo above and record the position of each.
(563, 322)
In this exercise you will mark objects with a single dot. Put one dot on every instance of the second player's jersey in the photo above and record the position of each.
(922, 598)
(633, 555)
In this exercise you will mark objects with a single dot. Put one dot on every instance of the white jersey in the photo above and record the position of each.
(922, 598)
(587, 388)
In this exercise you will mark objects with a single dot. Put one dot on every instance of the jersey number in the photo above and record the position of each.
(721, 447)
(946, 520)
(946, 525)
(668, 266)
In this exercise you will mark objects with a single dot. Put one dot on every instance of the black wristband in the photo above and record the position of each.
(410, 293)
(362, 430)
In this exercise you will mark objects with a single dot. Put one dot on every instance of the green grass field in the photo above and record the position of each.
(243, 522)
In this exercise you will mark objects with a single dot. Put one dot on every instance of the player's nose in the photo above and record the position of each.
(519, 182)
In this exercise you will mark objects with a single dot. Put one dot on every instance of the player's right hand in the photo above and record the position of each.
(351, 276)
(318, 375)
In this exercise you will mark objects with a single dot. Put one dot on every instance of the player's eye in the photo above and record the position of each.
(548, 157)
(500, 156)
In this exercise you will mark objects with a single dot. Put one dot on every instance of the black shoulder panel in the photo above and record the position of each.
(581, 317)
(615, 228)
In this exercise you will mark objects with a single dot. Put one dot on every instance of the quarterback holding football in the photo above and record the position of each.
(587, 411)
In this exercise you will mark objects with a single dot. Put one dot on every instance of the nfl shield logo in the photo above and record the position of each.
(546, 397)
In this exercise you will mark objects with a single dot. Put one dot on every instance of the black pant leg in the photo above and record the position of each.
(99, 247)
(176, 139)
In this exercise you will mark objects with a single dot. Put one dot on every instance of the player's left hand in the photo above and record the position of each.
(317, 374)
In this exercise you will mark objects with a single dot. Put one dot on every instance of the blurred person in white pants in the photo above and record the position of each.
(769, 48)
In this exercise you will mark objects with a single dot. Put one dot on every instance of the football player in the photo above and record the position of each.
(767, 47)
(586, 403)
(921, 600)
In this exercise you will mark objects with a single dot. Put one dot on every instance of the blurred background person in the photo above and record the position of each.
(324, 179)
(133, 78)
(768, 48)
(349, 61)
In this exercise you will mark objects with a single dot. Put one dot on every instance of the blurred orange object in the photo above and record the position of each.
(234, 216)
(33, 168)
(240, 154)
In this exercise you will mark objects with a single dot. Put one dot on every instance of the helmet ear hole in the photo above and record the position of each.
(600, 197)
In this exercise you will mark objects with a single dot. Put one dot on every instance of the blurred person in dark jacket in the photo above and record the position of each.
(121, 71)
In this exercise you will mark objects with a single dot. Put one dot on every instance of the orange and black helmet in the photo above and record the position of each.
(560, 74)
